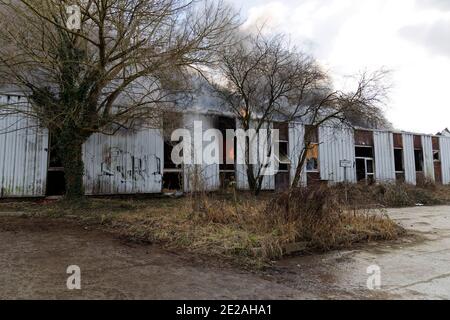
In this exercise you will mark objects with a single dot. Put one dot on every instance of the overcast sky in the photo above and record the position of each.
(409, 37)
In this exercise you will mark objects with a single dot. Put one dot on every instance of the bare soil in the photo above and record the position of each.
(35, 253)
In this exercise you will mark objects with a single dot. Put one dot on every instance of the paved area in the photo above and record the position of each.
(415, 268)
(35, 253)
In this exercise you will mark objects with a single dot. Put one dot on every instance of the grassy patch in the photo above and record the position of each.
(250, 231)
(396, 195)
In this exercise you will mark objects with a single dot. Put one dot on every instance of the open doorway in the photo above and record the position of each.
(365, 164)
(228, 152)
(173, 173)
(56, 182)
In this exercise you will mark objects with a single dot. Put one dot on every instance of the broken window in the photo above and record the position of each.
(312, 154)
(418, 158)
(436, 156)
(312, 158)
(398, 157)
(228, 152)
(283, 146)
(364, 152)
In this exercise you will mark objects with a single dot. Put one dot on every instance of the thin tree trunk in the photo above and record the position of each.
(299, 169)
(72, 160)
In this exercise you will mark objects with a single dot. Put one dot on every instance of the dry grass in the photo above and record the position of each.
(250, 231)
(396, 195)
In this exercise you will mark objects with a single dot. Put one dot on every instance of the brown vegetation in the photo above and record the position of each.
(396, 195)
(251, 231)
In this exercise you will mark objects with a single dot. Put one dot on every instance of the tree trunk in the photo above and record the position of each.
(72, 159)
(254, 183)
(299, 169)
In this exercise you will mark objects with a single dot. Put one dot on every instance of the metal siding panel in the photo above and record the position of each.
(209, 174)
(408, 157)
(3, 137)
(268, 182)
(384, 156)
(428, 162)
(23, 159)
(336, 144)
(241, 175)
(241, 169)
(296, 145)
(445, 159)
(123, 163)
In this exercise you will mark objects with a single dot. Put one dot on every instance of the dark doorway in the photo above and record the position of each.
(360, 169)
(56, 182)
(418, 158)
(398, 158)
(173, 173)
(365, 165)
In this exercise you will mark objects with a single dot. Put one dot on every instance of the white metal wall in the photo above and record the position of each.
(264, 146)
(445, 159)
(428, 161)
(241, 168)
(296, 145)
(23, 153)
(208, 175)
(408, 158)
(384, 156)
(130, 162)
(336, 144)
(268, 182)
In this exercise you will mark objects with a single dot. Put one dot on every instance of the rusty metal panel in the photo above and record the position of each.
(408, 158)
(363, 138)
(384, 156)
(444, 143)
(204, 177)
(296, 146)
(398, 140)
(129, 162)
(23, 152)
(336, 144)
(428, 161)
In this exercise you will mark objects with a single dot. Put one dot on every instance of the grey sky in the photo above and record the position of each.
(410, 37)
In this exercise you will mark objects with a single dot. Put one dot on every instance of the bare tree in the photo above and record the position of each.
(256, 80)
(263, 79)
(317, 103)
(126, 59)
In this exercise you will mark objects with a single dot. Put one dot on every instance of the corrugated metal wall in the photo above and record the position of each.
(408, 158)
(241, 168)
(445, 159)
(336, 144)
(208, 175)
(130, 162)
(258, 144)
(296, 145)
(264, 146)
(384, 156)
(23, 153)
(428, 161)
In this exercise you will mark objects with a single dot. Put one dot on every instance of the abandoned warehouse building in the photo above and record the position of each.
(139, 161)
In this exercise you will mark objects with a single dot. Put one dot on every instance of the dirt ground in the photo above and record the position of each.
(35, 253)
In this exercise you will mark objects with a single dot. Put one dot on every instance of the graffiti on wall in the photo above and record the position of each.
(129, 167)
